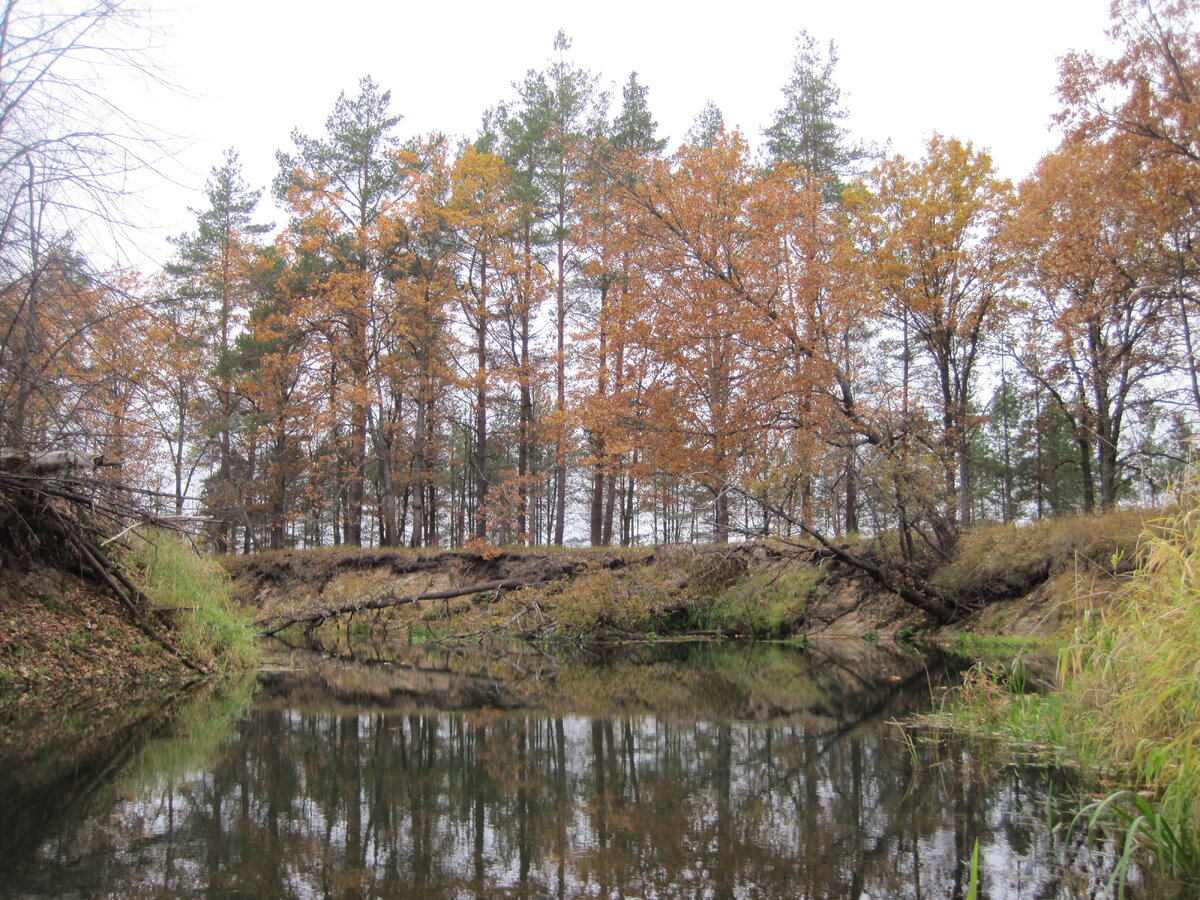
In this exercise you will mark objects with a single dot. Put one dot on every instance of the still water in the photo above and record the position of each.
(699, 771)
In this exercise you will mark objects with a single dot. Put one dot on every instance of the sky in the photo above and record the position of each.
(245, 73)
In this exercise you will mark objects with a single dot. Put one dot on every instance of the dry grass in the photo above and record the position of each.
(1129, 703)
(994, 562)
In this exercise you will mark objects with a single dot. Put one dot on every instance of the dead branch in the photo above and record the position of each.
(52, 508)
(313, 619)
(903, 583)
(117, 582)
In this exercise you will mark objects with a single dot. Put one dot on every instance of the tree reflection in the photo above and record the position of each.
(541, 803)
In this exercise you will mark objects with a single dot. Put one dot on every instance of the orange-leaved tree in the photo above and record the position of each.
(932, 227)
(1098, 326)
(723, 251)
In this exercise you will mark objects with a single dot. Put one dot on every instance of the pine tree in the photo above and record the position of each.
(634, 128)
(337, 187)
(807, 129)
(708, 125)
(557, 108)
(211, 273)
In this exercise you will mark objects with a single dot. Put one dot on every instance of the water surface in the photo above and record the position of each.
(704, 771)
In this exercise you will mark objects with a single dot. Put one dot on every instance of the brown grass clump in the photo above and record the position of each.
(998, 562)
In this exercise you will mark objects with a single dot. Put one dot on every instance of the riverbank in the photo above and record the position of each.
(1036, 583)
(71, 644)
(1126, 708)
(1032, 580)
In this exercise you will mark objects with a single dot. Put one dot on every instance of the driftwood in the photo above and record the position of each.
(313, 619)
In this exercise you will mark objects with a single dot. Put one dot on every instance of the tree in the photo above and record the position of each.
(1145, 104)
(275, 365)
(609, 248)
(722, 248)
(634, 127)
(708, 125)
(424, 288)
(555, 110)
(1150, 92)
(211, 275)
(64, 152)
(806, 130)
(933, 227)
(337, 188)
(482, 212)
(1098, 311)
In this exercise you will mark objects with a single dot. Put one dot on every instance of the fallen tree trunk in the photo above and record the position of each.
(901, 581)
(313, 619)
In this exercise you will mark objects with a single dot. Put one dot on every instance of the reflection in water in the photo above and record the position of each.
(626, 795)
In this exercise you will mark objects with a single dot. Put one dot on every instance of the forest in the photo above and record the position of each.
(559, 331)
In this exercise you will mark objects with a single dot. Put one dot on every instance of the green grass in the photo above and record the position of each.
(990, 647)
(192, 591)
(764, 604)
(992, 703)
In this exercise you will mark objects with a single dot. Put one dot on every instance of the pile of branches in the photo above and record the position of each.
(55, 513)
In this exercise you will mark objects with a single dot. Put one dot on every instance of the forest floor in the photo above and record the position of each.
(76, 674)
(63, 638)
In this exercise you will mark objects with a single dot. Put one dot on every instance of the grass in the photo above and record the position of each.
(1128, 707)
(606, 601)
(193, 593)
(1135, 674)
(999, 561)
(764, 604)
(990, 647)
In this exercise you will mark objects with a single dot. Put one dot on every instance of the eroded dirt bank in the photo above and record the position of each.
(1015, 582)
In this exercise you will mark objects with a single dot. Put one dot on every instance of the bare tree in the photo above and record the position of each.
(64, 151)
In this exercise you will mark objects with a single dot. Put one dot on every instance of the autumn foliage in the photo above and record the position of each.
(560, 332)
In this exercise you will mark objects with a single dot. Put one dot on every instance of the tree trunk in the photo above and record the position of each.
(560, 404)
(479, 457)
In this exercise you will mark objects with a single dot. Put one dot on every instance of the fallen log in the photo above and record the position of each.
(52, 462)
(313, 619)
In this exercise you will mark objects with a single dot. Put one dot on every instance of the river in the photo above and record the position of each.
(652, 771)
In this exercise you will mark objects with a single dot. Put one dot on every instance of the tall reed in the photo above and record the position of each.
(1133, 673)
(193, 594)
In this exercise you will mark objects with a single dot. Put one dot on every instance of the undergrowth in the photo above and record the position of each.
(192, 593)
(1135, 674)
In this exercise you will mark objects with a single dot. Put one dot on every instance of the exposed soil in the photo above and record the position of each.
(850, 604)
(287, 581)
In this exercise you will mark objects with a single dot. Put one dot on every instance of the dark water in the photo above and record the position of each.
(698, 771)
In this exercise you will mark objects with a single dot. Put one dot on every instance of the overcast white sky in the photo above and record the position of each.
(255, 69)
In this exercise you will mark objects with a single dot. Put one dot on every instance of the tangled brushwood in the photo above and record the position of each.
(54, 513)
